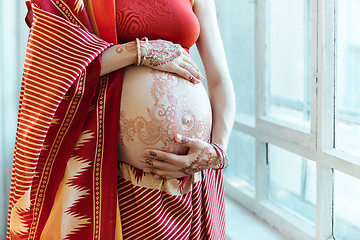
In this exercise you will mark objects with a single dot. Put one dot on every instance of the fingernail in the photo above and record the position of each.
(178, 137)
(181, 139)
(152, 153)
(192, 80)
(149, 162)
(157, 176)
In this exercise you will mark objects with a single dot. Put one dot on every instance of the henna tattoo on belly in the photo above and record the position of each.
(173, 111)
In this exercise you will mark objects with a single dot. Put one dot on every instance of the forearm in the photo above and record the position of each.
(158, 54)
(117, 57)
(220, 86)
(222, 99)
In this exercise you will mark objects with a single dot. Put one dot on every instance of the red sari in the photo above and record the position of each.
(65, 182)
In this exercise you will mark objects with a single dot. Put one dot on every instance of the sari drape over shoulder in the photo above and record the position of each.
(65, 171)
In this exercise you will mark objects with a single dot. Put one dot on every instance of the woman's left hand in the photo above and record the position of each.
(201, 156)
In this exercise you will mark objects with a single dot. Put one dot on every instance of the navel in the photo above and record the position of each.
(187, 120)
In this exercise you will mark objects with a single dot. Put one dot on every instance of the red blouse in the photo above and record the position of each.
(172, 20)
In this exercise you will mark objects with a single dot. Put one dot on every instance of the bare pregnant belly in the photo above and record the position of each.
(154, 107)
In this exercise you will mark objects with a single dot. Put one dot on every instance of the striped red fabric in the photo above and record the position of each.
(152, 214)
(58, 51)
(214, 205)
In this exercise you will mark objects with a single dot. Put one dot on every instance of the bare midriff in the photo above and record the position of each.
(154, 107)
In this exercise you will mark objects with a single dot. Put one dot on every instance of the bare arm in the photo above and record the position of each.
(159, 54)
(220, 86)
(117, 57)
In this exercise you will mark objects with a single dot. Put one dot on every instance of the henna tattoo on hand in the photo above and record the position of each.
(161, 52)
(205, 159)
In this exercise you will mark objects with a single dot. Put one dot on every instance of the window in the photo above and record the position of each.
(347, 125)
(242, 146)
(295, 148)
(13, 37)
(241, 44)
(346, 206)
(292, 182)
(288, 62)
(237, 32)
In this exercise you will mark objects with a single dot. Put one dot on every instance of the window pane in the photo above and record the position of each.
(348, 75)
(242, 159)
(292, 182)
(13, 38)
(346, 207)
(236, 23)
(288, 73)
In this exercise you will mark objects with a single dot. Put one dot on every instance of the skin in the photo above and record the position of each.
(122, 55)
(168, 105)
(201, 154)
(221, 94)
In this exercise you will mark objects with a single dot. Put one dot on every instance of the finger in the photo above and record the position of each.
(179, 161)
(167, 174)
(192, 70)
(192, 63)
(189, 142)
(161, 165)
(186, 74)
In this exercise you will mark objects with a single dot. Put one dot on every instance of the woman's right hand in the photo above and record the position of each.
(169, 57)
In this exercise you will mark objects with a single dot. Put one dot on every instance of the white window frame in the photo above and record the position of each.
(317, 145)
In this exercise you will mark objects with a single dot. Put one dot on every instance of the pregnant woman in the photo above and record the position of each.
(117, 137)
